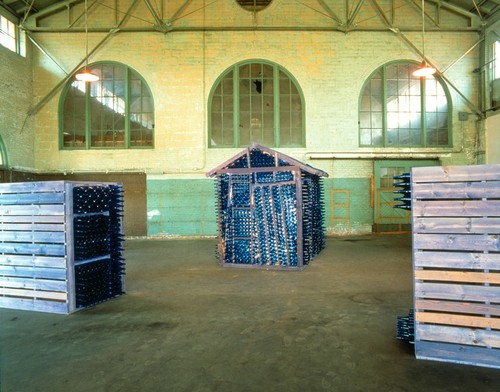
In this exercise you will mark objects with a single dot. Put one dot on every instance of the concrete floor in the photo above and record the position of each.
(187, 324)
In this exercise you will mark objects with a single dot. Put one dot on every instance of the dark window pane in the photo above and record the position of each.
(258, 108)
(74, 116)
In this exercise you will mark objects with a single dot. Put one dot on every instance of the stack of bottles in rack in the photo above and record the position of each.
(312, 216)
(406, 327)
(258, 213)
(403, 181)
(98, 243)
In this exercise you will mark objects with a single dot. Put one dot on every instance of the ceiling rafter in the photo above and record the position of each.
(180, 10)
(160, 25)
(418, 6)
(455, 8)
(381, 13)
(351, 18)
(347, 21)
(330, 12)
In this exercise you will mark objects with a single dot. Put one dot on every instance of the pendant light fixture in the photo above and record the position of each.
(86, 75)
(425, 69)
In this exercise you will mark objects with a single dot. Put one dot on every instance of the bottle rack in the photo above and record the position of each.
(270, 210)
(61, 245)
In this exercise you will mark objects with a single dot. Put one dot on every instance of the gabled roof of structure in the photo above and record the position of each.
(257, 156)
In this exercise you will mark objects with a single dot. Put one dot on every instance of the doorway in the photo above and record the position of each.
(386, 217)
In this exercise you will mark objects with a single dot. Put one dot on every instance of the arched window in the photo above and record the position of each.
(254, 5)
(3, 154)
(256, 101)
(115, 112)
(3, 162)
(390, 109)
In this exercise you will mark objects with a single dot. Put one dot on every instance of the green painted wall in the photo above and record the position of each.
(181, 207)
(347, 205)
(187, 207)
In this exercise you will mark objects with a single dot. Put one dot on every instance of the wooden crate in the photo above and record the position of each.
(456, 259)
(37, 246)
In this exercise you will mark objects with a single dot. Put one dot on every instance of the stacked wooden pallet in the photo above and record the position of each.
(39, 251)
(456, 255)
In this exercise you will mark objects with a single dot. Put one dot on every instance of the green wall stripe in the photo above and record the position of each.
(188, 207)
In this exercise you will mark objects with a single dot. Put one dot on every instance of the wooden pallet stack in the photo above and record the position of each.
(61, 245)
(456, 257)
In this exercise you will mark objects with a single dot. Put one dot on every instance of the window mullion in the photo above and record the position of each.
(126, 136)
(423, 116)
(384, 106)
(276, 104)
(236, 106)
(88, 114)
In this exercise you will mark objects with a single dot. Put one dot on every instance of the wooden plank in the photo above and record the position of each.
(441, 208)
(32, 227)
(33, 272)
(277, 156)
(33, 284)
(32, 198)
(250, 170)
(33, 249)
(32, 187)
(457, 292)
(458, 276)
(40, 209)
(456, 173)
(37, 305)
(455, 353)
(13, 219)
(458, 320)
(57, 237)
(70, 257)
(456, 225)
(57, 296)
(457, 307)
(456, 190)
(490, 261)
(456, 242)
(35, 261)
(458, 335)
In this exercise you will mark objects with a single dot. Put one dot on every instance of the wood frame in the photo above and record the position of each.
(456, 261)
(278, 232)
(37, 255)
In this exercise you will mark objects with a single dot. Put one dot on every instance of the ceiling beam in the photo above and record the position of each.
(458, 10)
(330, 12)
(160, 25)
(180, 10)
(354, 14)
(381, 13)
(9, 10)
(418, 6)
(193, 29)
(52, 9)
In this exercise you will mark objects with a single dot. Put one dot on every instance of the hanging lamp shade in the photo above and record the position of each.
(86, 76)
(424, 70)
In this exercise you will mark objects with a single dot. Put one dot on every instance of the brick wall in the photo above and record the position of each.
(182, 67)
(16, 128)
